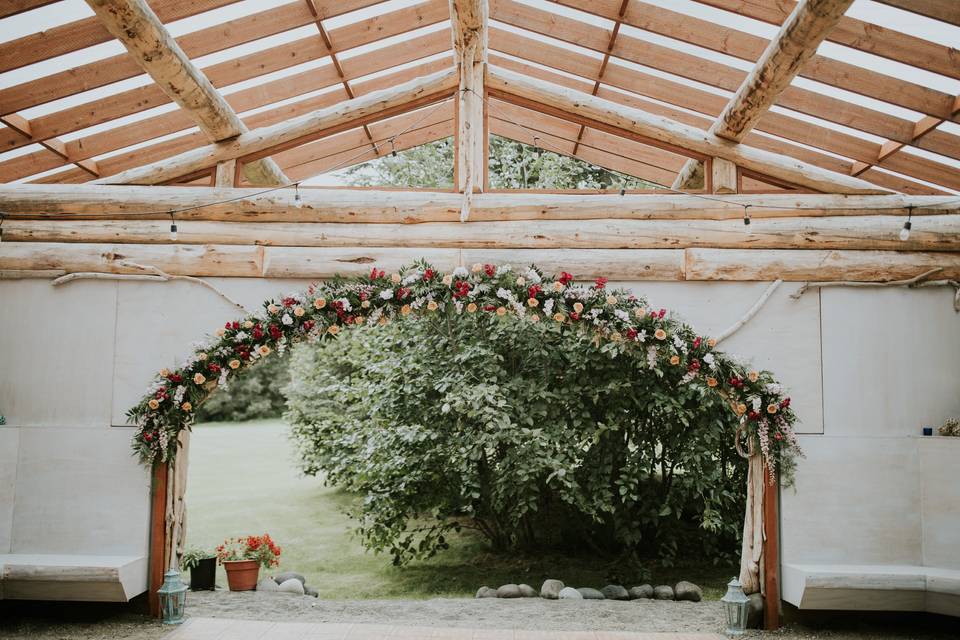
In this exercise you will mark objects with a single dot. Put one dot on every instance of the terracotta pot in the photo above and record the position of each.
(242, 574)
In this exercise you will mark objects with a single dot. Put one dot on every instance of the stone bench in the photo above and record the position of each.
(872, 587)
(36, 576)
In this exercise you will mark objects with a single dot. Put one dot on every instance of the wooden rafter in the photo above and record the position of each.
(658, 131)
(943, 10)
(796, 42)
(708, 103)
(54, 145)
(263, 141)
(469, 25)
(139, 29)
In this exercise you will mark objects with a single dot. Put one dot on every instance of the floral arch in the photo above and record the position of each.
(667, 347)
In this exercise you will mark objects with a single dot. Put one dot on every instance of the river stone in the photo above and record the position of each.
(290, 575)
(267, 584)
(643, 591)
(509, 591)
(551, 589)
(291, 586)
(615, 592)
(755, 611)
(486, 592)
(527, 591)
(308, 591)
(569, 593)
(688, 591)
(590, 594)
(663, 592)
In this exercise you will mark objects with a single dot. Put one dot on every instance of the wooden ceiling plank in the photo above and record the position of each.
(80, 34)
(857, 34)
(785, 55)
(13, 7)
(139, 29)
(942, 10)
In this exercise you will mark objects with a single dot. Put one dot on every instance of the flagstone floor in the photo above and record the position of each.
(228, 629)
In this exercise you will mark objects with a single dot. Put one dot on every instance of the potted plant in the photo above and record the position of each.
(203, 568)
(243, 557)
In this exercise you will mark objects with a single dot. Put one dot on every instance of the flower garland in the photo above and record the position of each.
(664, 345)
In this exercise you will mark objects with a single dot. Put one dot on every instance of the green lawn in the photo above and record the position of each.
(244, 480)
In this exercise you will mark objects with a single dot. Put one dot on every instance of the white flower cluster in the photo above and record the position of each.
(548, 306)
(286, 319)
(533, 276)
(460, 272)
(710, 361)
(178, 394)
(622, 315)
(504, 268)
(386, 294)
(413, 277)
(651, 357)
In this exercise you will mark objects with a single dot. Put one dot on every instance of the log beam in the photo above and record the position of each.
(796, 42)
(931, 233)
(97, 202)
(617, 264)
(468, 20)
(138, 28)
(659, 131)
(263, 141)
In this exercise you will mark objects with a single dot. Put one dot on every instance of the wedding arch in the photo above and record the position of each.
(670, 350)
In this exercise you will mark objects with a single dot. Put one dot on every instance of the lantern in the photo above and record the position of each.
(737, 604)
(173, 597)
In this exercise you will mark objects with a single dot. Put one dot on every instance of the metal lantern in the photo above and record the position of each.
(737, 604)
(173, 597)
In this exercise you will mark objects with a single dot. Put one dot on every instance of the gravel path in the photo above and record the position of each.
(533, 613)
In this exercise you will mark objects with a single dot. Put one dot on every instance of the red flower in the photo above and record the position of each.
(662, 313)
(308, 325)
(175, 378)
(289, 302)
(257, 332)
(631, 334)
(778, 436)
(428, 275)
(147, 437)
(213, 367)
(565, 278)
(753, 415)
(373, 274)
(490, 270)
(696, 342)
(462, 289)
(533, 291)
(275, 332)
(490, 307)
(574, 315)
(785, 403)
(236, 325)
(600, 283)
(736, 382)
(694, 365)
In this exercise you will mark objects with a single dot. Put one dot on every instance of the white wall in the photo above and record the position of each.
(866, 369)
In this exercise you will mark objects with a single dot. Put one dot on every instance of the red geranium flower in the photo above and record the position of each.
(565, 278)
(600, 283)
(533, 291)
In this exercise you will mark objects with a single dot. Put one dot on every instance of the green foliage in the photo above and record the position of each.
(513, 165)
(193, 556)
(254, 394)
(536, 437)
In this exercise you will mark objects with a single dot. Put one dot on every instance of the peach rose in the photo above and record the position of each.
(558, 286)
(264, 350)
(405, 309)
(532, 302)
(772, 408)
(432, 306)
(219, 332)
(612, 300)
(534, 318)
(365, 304)
(153, 404)
(248, 324)
(753, 375)
(477, 268)
(447, 280)
(164, 372)
(319, 303)
(382, 321)
(741, 409)
(558, 317)
(186, 406)
(333, 329)
(472, 307)
(234, 364)
(501, 311)
(640, 312)
(299, 311)
(711, 382)
(273, 308)
(199, 378)
(674, 359)
(202, 356)
(578, 307)
(711, 342)
(521, 281)
(660, 334)
(395, 278)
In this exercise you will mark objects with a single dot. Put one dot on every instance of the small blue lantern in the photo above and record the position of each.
(737, 605)
(173, 597)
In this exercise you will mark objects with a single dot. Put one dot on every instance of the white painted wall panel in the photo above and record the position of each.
(80, 491)
(856, 501)
(939, 458)
(783, 337)
(9, 450)
(891, 360)
(57, 352)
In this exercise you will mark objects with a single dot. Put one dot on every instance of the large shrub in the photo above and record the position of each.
(535, 436)
(254, 394)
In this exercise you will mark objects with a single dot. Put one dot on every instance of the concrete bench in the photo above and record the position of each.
(872, 587)
(33, 576)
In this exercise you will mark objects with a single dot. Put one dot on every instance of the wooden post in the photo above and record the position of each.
(226, 173)
(723, 176)
(158, 538)
(469, 27)
(771, 555)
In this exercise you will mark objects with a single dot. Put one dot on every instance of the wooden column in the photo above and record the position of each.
(723, 176)
(771, 555)
(226, 175)
(158, 537)
(469, 26)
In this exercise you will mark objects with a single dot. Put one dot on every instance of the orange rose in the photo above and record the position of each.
(660, 334)
(472, 307)
(501, 311)
(234, 364)
(772, 408)
(558, 317)
(333, 329)
(186, 406)
(319, 303)
(712, 342)
(711, 382)
(264, 350)
(199, 378)
(153, 404)
(674, 359)
(532, 302)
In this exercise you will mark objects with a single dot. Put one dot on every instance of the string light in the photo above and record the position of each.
(173, 228)
(1, 227)
(393, 148)
(746, 215)
(297, 202)
(905, 232)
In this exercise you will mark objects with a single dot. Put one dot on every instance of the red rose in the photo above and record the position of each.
(490, 307)
(373, 273)
(175, 378)
(147, 437)
(778, 436)
(696, 343)
(308, 325)
(533, 291)
(490, 270)
(227, 326)
(236, 325)
(257, 332)
(785, 403)
(565, 278)
(631, 333)
(364, 295)
(275, 332)
(753, 415)
(600, 283)
(694, 365)
(213, 367)
(662, 313)
(574, 315)
(428, 275)
(289, 302)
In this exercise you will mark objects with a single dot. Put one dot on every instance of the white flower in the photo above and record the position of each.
(756, 402)
(651, 357)
(240, 337)
(623, 315)
(504, 268)
(286, 319)
(772, 388)
(345, 304)
(642, 336)
(548, 307)
(413, 277)
(178, 394)
(460, 272)
(386, 294)
(710, 360)
(504, 294)
(533, 276)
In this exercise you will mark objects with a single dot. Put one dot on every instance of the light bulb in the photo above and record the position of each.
(905, 232)
(297, 202)
(173, 232)
(623, 191)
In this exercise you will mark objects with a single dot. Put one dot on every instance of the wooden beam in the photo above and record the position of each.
(604, 114)
(771, 554)
(13, 7)
(97, 202)
(876, 39)
(305, 128)
(139, 29)
(862, 233)
(794, 265)
(723, 176)
(943, 10)
(158, 538)
(226, 175)
(794, 44)
(468, 20)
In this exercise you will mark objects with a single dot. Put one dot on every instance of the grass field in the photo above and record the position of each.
(244, 480)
